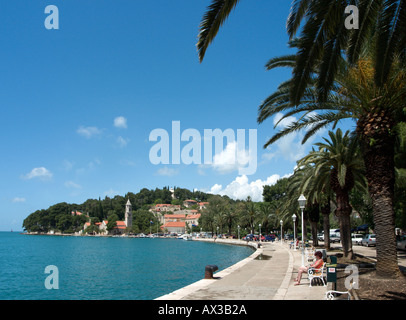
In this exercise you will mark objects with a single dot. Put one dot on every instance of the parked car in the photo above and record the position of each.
(401, 242)
(356, 238)
(320, 236)
(369, 240)
(270, 237)
(334, 237)
(250, 237)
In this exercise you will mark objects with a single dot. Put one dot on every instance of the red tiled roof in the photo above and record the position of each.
(174, 224)
(174, 216)
(120, 225)
(193, 216)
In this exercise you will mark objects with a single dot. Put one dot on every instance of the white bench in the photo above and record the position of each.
(320, 273)
(332, 294)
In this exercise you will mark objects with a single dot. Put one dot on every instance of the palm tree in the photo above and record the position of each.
(267, 215)
(369, 88)
(382, 23)
(379, 87)
(295, 187)
(376, 111)
(339, 161)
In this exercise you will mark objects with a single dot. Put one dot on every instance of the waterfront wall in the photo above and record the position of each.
(182, 292)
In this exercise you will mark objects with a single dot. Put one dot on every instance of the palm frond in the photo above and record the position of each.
(368, 13)
(391, 27)
(217, 13)
(297, 12)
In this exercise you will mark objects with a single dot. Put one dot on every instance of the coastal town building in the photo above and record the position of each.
(189, 203)
(121, 226)
(77, 213)
(180, 222)
(165, 207)
(203, 205)
(128, 215)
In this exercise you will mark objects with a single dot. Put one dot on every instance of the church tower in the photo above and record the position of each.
(128, 214)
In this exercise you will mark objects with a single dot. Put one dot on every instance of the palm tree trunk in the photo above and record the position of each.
(345, 234)
(378, 155)
(344, 209)
(313, 225)
(343, 212)
(304, 231)
(378, 152)
(325, 210)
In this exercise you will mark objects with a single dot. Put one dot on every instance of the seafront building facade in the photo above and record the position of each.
(171, 218)
(175, 220)
(121, 227)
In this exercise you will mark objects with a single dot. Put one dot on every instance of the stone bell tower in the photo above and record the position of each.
(128, 214)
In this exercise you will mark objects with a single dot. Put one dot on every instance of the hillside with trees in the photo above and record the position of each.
(59, 217)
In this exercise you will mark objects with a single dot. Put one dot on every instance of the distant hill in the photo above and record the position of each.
(59, 216)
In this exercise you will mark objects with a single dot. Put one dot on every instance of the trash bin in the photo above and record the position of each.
(332, 273)
(333, 259)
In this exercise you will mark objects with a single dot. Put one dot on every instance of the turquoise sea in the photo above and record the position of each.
(101, 268)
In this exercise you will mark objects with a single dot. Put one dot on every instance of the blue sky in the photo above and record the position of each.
(79, 103)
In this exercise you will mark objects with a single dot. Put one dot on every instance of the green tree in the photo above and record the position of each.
(339, 160)
(112, 222)
(375, 99)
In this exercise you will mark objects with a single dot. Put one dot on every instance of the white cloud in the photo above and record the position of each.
(111, 192)
(230, 158)
(71, 184)
(18, 200)
(120, 122)
(122, 142)
(68, 165)
(283, 123)
(126, 162)
(241, 188)
(216, 188)
(88, 132)
(41, 173)
(290, 147)
(90, 166)
(165, 171)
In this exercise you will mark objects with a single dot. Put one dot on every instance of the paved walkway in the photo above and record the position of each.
(266, 275)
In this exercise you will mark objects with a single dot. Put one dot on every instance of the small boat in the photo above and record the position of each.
(186, 237)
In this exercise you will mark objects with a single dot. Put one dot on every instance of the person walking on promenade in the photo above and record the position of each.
(316, 265)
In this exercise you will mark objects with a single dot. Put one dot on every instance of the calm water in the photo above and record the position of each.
(106, 268)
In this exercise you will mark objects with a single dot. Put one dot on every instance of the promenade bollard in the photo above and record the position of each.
(209, 270)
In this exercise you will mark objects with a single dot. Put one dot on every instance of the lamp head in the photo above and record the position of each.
(302, 201)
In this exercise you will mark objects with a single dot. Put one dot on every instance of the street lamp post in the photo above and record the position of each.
(294, 231)
(238, 227)
(259, 232)
(281, 222)
(302, 204)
